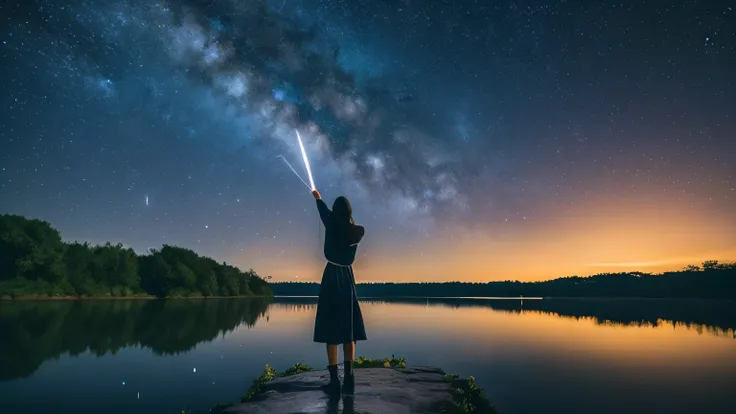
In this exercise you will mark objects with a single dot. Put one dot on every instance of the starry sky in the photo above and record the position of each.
(477, 140)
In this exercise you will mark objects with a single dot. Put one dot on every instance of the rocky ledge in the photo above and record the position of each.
(386, 387)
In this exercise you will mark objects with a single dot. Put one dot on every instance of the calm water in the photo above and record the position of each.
(571, 356)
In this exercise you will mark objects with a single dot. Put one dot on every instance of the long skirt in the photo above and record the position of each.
(339, 320)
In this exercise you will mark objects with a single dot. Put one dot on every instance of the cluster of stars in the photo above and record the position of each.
(124, 123)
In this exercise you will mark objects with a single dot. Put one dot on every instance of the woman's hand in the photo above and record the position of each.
(316, 194)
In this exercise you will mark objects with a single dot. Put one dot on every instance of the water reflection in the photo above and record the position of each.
(33, 332)
(573, 356)
(704, 316)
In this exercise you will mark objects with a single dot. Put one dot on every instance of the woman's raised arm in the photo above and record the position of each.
(324, 211)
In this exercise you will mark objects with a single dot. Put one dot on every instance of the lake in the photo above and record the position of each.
(551, 355)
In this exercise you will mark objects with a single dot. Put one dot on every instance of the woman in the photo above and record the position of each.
(339, 320)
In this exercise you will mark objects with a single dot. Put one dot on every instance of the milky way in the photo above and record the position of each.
(243, 65)
(163, 122)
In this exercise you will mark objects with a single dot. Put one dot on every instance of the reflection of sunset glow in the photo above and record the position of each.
(660, 324)
(510, 352)
(479, 325)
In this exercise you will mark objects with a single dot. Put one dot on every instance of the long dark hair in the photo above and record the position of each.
(342, 223)
(342, 212)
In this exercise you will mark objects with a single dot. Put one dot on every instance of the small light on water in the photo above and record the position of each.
(123, 382)
(194, 369)
(139, 396)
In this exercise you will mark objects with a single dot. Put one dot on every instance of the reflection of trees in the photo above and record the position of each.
(297, 305)
(705, 316)
(33, 332)
(714, 317)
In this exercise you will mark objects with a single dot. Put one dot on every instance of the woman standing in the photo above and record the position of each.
(339, 320)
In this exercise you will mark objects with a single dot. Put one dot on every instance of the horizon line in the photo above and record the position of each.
(510, 280)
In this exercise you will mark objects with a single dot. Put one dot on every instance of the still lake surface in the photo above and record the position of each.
(571, 356)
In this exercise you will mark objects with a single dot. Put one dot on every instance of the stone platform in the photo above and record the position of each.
(377, 391)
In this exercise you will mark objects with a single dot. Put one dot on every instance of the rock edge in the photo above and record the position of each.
(377, 391)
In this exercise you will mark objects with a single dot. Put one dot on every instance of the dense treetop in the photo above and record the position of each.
(34, 261)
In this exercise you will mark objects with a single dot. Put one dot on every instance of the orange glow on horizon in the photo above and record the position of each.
(596, 237)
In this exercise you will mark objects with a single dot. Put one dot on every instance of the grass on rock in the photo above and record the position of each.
(468, 396)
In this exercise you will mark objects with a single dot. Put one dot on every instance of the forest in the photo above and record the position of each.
(35, 262)
(711, 280)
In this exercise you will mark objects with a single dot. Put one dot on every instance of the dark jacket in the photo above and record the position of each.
(341, 239)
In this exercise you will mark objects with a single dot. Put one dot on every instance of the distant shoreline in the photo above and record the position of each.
(712, 280)
(617, 298)
(422, 297)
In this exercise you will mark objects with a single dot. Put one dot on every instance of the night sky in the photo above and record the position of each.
(477, 140)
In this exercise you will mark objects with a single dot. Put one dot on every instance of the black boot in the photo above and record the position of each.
(349, 386)
(333, 387)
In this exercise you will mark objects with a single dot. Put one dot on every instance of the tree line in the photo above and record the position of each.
(34, 261)
(711, 280)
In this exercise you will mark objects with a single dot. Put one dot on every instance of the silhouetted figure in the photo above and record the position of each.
(339, 320)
